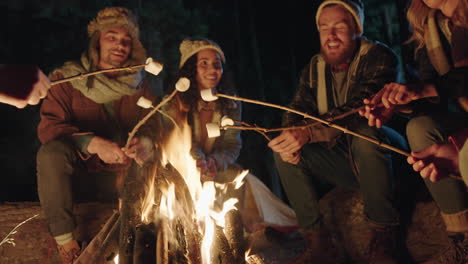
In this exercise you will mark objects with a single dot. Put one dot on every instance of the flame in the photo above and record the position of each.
(206, 212)
(116, 259)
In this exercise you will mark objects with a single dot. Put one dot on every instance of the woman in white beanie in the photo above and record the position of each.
(202, 61)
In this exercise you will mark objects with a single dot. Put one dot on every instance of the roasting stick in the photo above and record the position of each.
(263, 131)
(211, 95)
(182, 85)
(151, 66)
(208, 95)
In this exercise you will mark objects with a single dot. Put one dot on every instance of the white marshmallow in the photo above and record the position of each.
(226, 121)
(209, 94)
(213, 130)
(153, 67)
(183, 84)
(144, 103)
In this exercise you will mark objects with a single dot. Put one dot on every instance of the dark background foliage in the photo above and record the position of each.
(266, 44)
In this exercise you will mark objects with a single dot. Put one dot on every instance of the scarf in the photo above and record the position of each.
(100, 88)
(434, 47)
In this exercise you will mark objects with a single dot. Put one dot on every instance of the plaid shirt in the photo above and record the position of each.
(375, 68)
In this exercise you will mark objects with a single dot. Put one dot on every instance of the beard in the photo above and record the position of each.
(340, 56)
(117, 63)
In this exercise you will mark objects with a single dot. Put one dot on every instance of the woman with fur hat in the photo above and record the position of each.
(440, 32)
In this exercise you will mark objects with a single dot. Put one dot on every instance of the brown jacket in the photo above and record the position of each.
(67, 112)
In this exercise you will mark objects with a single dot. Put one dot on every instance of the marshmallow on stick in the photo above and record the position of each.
(226, 121)
(211, 95)
(213, 130)
(145, 103)
(150, 66)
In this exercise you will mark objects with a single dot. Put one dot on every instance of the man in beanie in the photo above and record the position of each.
(348, 68)
(85, 124)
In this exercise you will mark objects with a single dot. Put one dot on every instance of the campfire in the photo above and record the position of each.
(190, 222)
(176, 217)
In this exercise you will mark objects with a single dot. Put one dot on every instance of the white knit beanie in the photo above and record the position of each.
(355, 7)
(189, 47)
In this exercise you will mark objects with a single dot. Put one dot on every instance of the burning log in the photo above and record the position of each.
(221, 251)
(254, 259)
(234, 231)
(145, 244)
(162, 244)
(94, 251)
(130, 210)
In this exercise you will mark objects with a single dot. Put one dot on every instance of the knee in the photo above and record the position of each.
(422, 132)
(362, 146)
(463, 162)
(55, 151)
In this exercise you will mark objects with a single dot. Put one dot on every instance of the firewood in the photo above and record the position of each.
(234, 231)
(145, 244)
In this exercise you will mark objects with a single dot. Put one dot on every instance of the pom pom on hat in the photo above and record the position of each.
(355, 7)
(189, 47)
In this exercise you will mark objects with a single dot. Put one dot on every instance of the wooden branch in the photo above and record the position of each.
(328, 123)
(93, 252)
(8, 239)
(81, 75)
(153, 111)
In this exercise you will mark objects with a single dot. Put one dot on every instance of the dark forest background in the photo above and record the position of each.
(266, 44)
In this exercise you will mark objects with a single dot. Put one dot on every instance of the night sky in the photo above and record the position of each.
(266, 44)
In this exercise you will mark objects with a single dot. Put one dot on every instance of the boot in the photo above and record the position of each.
(318, 248)
(69, 252)
(383, 245)
(457, 251)
(457, 226)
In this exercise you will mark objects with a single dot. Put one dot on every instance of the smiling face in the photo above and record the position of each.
(209, 69)
(338, 34)
(115, 45)
(446, 6)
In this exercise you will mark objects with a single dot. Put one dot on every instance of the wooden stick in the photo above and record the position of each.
(328, 123)
(142, 122)
(81, 75)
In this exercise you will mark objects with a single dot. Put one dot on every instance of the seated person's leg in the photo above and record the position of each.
(56, 162)
(301, 182)
(450, 194)
(375, 175)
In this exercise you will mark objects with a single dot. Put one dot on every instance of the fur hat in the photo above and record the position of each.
(189, 47)
(355, 7)
(119, 17)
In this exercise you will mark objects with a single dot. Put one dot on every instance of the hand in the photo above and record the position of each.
(107, 151)
(397, 94)
(293, 158)
(23, 85)
(435, 161)
(377, 115)
(288, 144)
(139, 149)
(39, 89)
(208, 170)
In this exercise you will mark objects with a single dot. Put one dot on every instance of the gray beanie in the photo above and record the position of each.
(355, 7)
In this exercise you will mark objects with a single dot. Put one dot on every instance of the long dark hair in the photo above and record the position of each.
(191, 97)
